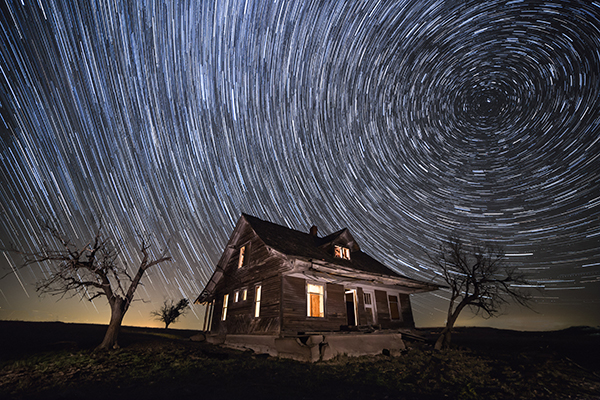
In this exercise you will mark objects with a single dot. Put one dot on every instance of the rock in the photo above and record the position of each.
(199, 337)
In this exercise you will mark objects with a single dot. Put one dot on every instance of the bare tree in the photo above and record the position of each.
(479, 278)
(93, 269)
(169, 312)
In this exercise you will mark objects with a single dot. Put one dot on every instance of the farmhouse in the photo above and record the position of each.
(294, 294)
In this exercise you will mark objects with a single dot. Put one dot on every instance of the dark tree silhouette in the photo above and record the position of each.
(169, 312)
(479, 278)
(93, 269)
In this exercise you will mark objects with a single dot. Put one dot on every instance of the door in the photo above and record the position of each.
(370, 308)
(351, 307)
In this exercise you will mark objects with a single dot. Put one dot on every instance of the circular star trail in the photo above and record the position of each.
(405, 121)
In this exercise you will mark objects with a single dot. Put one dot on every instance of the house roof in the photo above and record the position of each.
(296, 243)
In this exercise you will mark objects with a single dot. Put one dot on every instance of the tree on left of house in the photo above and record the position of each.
(93, 269)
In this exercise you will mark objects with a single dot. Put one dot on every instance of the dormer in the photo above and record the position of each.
(339, 245)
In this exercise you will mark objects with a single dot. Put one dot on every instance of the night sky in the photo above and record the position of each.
(405, 121)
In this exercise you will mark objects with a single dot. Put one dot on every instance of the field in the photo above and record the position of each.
(46, 360)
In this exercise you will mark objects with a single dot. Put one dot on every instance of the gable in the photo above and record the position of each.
(242, 236)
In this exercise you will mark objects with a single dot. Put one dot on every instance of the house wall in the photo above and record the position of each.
(383, 310)
(261, 268)
(294, 310)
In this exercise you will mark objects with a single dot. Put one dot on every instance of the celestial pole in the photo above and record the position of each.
(405, 121)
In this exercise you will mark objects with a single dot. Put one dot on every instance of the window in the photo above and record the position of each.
(394, 313)
(225, 304)
(236, 296)
(244, 294)
(257, 299)
(241, 256)
(342, 252)
(314, 300)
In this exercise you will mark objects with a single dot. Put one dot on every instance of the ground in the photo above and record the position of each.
(56, 361)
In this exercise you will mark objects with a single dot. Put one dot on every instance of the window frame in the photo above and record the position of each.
(225, 307)
(395, 295)
(370, 308)
(341, 252)
(242, 257)
(309, 299)
(257, 300)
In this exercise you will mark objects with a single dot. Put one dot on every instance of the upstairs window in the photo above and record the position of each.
(315, 305)
(242, 256)
(342, 252)
(244, 294)
(236, 296)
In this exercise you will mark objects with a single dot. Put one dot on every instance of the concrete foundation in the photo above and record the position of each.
(261, 344)
(313, 348)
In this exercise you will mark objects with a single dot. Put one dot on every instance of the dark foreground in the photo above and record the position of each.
(57, 361)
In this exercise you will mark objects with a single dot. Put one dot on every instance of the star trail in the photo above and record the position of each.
(405, 121)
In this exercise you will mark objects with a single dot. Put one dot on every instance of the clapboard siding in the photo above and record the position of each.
(335, 306)
(261, 266)
(240, 315)
(294, 312)
(383, 310)
(362, 313)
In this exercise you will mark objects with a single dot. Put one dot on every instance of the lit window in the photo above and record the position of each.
(236, 296)
(225, 304)
(314, 300)
(394, 312)
(342, 252)
(241, 257)
(244, 294)
(257, 298)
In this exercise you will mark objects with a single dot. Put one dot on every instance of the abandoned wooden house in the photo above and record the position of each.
(294, 294)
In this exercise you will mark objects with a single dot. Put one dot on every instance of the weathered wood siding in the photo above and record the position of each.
(335, 307)
(294, 311)
(261, 266)
(383, 310)
(363, 318)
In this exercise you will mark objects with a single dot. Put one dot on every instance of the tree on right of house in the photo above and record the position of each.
(477, 276)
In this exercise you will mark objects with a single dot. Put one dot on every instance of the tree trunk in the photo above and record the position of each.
(117, 312)
(444, 339)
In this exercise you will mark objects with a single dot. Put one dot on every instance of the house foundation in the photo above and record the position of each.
(317, 347)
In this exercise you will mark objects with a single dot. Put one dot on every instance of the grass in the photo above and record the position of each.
(155, 364)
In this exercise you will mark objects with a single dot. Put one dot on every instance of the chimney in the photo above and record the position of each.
(314, 230)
